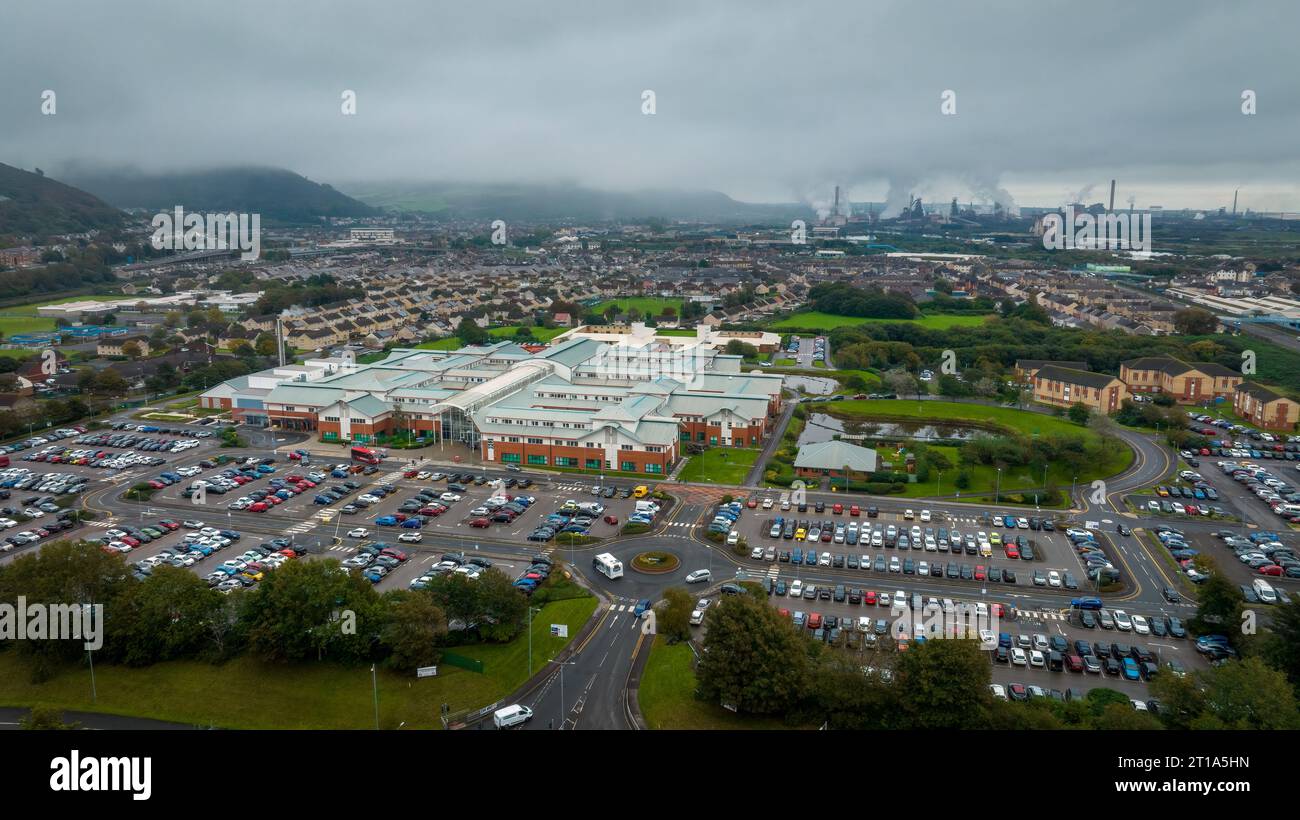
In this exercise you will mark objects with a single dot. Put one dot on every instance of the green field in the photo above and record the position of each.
(814, 320)
(542, 334)
(648, 305)
(667, 696)
(984, 478)
(681, 332)
(296, 696)
(11, 324)
(720, 465)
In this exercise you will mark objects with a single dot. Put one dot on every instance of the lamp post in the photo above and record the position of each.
(374, 680)
(997, 488)
(531, 610)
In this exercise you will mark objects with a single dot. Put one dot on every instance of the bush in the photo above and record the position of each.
(635, 528)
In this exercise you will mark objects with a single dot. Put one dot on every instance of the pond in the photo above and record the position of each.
(812, 385)
(821, 427)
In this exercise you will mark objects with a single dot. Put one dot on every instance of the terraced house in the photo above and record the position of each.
(581, 403)
(1187, 383)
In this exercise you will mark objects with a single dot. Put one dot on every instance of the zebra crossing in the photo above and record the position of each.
(342, 548)
(101, 524)
(302, 527)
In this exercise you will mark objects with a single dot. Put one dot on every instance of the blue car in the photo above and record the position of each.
(412, 524)
(1004, 639)
(810, 559)
(1131, 669)
(386, 521)
(641, 606)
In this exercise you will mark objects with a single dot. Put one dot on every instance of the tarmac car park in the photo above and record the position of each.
(996, 549)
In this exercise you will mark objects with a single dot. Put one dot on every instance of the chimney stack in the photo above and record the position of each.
(1112, 196)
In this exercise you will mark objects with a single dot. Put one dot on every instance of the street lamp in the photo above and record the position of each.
(997, 491)
(374, 680)
(531, 610)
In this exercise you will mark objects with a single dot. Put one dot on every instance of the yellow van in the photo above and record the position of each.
(641, 491)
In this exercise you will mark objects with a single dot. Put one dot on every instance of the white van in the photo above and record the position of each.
(647, 507)
(513, 715)
(1265, 591)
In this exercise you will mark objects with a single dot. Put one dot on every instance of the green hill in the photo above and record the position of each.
(35, 205)
(277, 194)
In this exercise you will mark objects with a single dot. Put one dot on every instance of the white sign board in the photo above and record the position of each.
(559, 630)
(426, 672)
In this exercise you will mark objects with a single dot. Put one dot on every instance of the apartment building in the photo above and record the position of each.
(1265, 408)
(1187, 383)
(1064, 386)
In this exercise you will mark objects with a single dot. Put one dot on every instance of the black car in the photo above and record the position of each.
(1009, 576)
(735, 589)
(1123, 530)
(1001, 655)
(1171, 595)
(820, 506)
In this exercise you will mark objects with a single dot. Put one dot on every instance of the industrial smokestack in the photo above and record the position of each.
(837, 200)
(279, 338)
(1234, 201)
(1112, 196)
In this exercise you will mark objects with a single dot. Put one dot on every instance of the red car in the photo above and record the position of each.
(1074, 663)
(481, 523)
(157, 485)
(1012, 550)
(814, 620)
(410, 474)
(869, 597)
(1271, 569)
(855, 510)
(752, 503)
(837, 508)
(260, 506)
(979, 572)
(611, 519)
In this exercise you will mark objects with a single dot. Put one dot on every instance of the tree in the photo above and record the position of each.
(308, 609)
(1281, 646)
(673, 619)
(901, 382)
(931, 672)
(264, 344)
(753, 658)
(1193, 321)
(1123, 717)
(470, 333)
(1219, 606)
(46, 718)
(131, 350)
(1079, 413)
(1243, 694)
(242, 349)
(414, 626)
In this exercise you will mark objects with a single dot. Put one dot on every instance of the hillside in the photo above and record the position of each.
(277, 194)
(565, 202)
(31, 204)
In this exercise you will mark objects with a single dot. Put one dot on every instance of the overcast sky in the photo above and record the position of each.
(764, 101)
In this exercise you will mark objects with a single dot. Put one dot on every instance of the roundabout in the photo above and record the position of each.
(655, 562)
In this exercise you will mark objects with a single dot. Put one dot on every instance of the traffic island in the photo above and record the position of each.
(655, 562)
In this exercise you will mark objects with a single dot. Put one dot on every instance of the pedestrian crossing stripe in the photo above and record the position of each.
(104, 524)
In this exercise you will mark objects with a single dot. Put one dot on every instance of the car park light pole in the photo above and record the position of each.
(374, 679)
(531, 610)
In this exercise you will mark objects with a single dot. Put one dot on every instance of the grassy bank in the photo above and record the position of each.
(667, 695)
(248, 694)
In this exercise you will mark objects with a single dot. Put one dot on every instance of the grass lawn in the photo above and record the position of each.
(786, 362)
(542, 334)
(675, 332)
(815, 320)
(449, 343)
(17, 353)
(11, 324)
(983, 478)
(667, 695)
(648, 305)
(720, 465)
(300, 696)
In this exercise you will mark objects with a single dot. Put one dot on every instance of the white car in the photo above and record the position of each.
(1122, 621)
(359, 532)
(449, 497)
(1054, 579)
(767, 503)
(733, 538)
(998, 690)
(908, 515)
(702, 604)
(796, 588)
(925, 515)
(1036, 658)
(1140, 625)
(1018, 656)
(423, 475)
(410, 537)
(756, 552)
(697, 617)
(699, 576)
